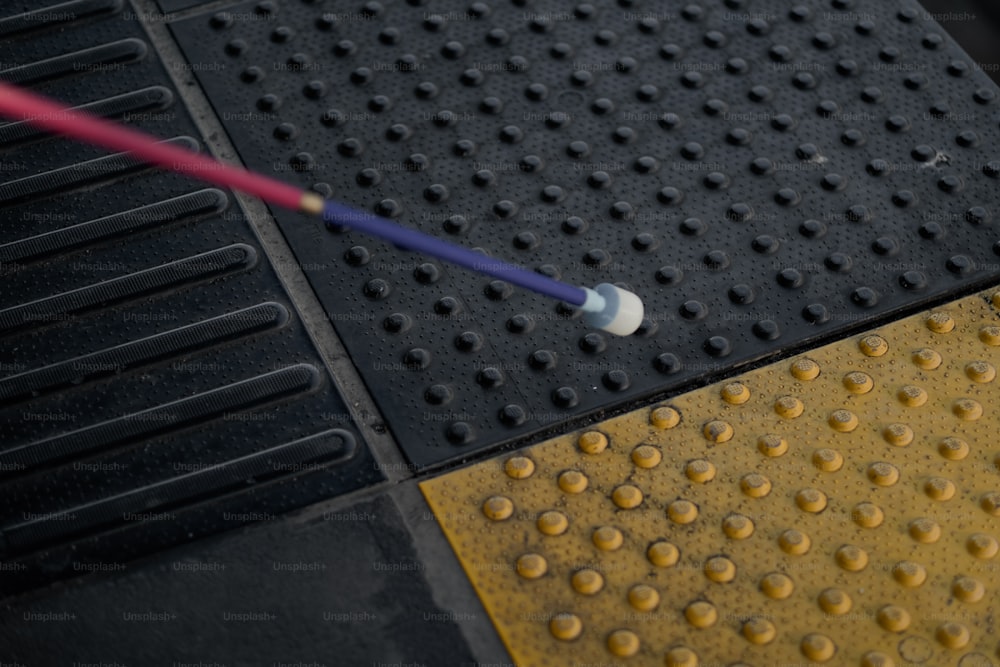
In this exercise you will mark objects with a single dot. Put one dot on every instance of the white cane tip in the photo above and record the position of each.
(622, 312)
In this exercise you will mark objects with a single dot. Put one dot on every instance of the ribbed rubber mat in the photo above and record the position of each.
(839, 507)
(764, 176)
(156, 385)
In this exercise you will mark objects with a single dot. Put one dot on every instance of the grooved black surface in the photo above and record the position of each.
(177, 209)
(762, 176)
(77, 176)
(154, 98)
(324, 448)
(136, 353)
(54, 16)
(108, 56)
(156, 384)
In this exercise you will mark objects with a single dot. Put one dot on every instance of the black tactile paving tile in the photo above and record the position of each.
(763, 176)
(150, 361)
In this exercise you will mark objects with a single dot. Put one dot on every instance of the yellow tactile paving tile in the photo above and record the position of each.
(839, 507)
